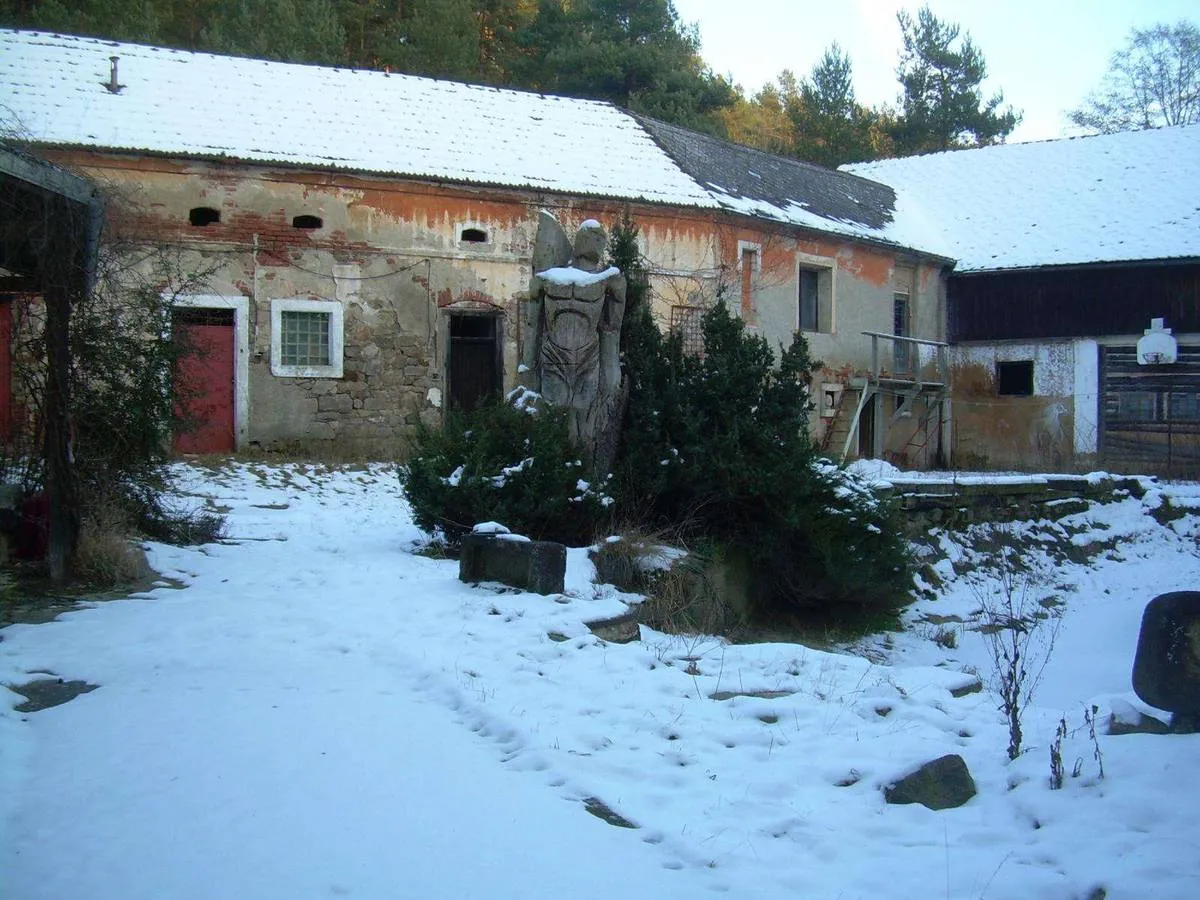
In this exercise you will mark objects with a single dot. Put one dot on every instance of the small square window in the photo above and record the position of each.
(306, 338)
(1015, 379)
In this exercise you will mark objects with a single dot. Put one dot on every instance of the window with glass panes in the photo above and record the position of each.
(304, 338)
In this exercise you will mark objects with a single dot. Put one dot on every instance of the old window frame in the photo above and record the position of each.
(749, 266)
(825, 310)
(335, 323)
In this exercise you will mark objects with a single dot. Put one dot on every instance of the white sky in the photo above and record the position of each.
(1044, 54)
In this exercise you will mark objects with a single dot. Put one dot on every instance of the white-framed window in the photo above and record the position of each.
(307, 338)
(815, 280)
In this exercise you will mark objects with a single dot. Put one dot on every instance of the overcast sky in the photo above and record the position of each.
(1044, 54)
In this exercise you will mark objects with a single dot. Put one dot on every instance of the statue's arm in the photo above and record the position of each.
(531, 337)
(614, 311)
(610, 334)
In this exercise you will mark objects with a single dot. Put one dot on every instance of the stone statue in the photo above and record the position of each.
(571, 355)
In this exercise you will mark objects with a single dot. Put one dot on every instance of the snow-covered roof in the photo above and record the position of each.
(201, 105)
(198, 105)
(1107, 198)
(754, 183)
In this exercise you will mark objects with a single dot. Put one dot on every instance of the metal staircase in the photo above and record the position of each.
(903, 381)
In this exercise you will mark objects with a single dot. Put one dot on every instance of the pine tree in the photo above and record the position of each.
(831, 127)
(634, 53)
(288, 30)
(943, 106)
(142, 21)
(762, 121)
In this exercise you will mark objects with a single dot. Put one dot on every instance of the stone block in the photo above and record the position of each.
(1166, 668)
(538, 566)
(943, 783)
(334, 403)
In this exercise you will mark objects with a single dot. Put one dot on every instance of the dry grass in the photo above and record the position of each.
(107, 556)
(687, 599)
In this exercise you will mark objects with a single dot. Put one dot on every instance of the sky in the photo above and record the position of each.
(1045, 55)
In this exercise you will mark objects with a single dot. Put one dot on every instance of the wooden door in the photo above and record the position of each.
(474, 374)
(204, 381)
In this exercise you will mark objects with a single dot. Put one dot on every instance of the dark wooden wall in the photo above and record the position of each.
(1073, 302)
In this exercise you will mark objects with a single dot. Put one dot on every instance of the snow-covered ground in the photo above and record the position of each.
(319, 712)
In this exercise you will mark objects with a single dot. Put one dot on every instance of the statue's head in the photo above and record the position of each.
(590, 242)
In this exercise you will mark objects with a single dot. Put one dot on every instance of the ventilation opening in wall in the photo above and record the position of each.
(308, 223)
(1015, 379)
(473, 236)
(199, 216)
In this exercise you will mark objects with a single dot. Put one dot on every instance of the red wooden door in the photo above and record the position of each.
(204, 381)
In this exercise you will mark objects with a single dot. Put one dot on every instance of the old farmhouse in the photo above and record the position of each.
(366, 240)
(369, 235)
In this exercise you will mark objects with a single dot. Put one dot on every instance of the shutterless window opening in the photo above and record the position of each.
(810, 292)
(473, 236)
(1015, 379)
(199, 216)
(749, 264)
(902, 351)
(308, 223)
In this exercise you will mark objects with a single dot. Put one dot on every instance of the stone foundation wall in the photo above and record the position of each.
(955, 503)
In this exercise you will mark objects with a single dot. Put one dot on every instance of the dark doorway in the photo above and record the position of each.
(5, 368)
(866, 429)
(204, 380)
(475, 359)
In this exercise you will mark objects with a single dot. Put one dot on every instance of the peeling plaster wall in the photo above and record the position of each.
(390, 253)
(1054, 428)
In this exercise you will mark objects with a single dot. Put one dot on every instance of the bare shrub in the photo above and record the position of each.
(1056, 759)
(179, 525)
(1020, 634)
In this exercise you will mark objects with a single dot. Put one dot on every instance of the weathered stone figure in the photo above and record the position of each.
(573, 325)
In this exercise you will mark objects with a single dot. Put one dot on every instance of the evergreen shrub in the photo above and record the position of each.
(720, 443)
(506, 462)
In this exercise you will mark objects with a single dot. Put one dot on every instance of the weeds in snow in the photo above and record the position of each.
(1057, 768)
(1020, 634)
